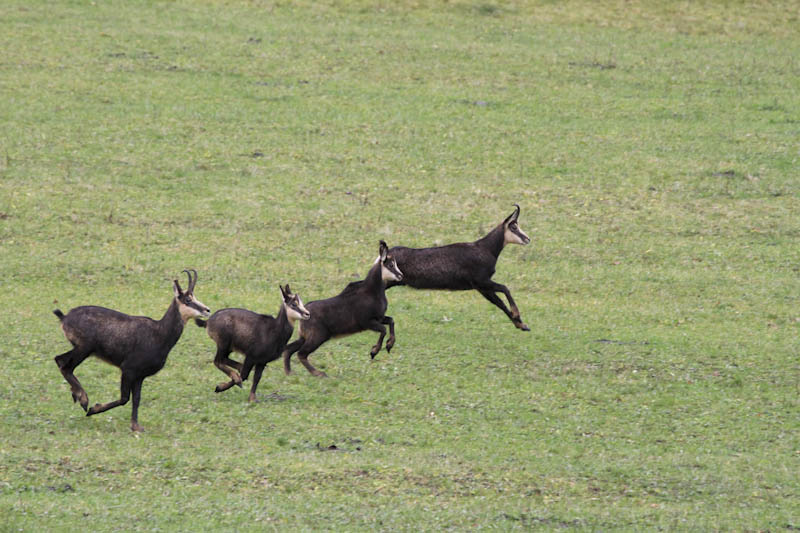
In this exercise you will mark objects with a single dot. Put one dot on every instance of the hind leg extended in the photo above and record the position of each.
(236, 365)
(224, 363)
(66, 364)
(125, 394)
(246, 367)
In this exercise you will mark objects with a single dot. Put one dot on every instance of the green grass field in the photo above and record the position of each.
(654, 148)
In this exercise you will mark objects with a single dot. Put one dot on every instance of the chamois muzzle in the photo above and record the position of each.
(394, 270)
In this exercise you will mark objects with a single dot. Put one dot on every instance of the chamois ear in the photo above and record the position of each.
(283, 292)
(176, 287)
(288, 290)
(384, 250)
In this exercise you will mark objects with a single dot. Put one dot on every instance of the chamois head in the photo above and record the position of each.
(513, 234)
(389, 270)
(189, 306)
(295, 310)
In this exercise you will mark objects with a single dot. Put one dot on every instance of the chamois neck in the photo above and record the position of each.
(374, 279)
(172, 323)
(494, 241)
(283, 317)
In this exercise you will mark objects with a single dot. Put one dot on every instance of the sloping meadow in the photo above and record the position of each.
(653, 150)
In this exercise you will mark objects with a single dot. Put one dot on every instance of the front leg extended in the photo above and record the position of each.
(390, 341)
(287, 354)
(377, 325)
(488, 291)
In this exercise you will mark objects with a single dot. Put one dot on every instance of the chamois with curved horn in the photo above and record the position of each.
(464, 266)
(137, 345)
(260, 338)
(359, 307)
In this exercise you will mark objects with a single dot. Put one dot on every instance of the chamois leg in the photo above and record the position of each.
(287, 354)
(236, 365)
(377, 325)
(307, 349)
(256, 379)
(223, 362)
(489, 289)
(66, 364)
(137, 395)
(248, 364)
(125, 394)
(492, 297)
(225, 385)
(390, 341)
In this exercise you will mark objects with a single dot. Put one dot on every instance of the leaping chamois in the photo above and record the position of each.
(137, 345)
(359, 307)
(464, 266)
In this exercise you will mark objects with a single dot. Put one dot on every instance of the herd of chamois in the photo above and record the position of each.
(139, 346)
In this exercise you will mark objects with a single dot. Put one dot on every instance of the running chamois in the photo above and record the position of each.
(464, 266)
(260, 338)
(137, 345)
(359, 307)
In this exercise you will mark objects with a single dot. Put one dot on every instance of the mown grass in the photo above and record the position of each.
(653, 148)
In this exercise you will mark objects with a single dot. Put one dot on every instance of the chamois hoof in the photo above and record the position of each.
(93, 409)
(522, 326)
(252, 398)
(82, 399)
(136, 427)
(320, 374)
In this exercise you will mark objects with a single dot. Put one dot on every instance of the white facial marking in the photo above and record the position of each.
(511, 237)
(292, 314)
(189, 312)
(387, 274)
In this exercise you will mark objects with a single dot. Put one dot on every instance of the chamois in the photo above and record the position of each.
(137, 345)
(359, 307)
(260, 338)
(464, 266)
